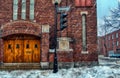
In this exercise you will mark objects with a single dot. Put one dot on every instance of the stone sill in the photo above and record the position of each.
(64, 49)
(84, 52)
(53, 50)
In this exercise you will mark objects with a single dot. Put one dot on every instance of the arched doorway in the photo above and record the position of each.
(21, 49)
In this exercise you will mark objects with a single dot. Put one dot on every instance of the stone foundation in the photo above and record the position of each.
(80, 64)
(62, 65)
(66, 64)
(73, 64)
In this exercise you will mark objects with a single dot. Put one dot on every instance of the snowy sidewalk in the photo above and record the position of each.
(83, 72)
(109, 61)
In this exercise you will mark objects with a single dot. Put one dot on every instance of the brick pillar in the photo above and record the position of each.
(1, 47)
(44, 46)
(1, 50)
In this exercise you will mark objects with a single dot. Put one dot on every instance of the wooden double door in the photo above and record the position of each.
(21, 51)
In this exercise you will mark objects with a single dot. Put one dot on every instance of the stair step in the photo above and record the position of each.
(24, 66)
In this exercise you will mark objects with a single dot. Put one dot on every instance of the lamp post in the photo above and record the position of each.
(55, 65)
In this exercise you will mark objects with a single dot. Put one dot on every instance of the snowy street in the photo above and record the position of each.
(83, 72)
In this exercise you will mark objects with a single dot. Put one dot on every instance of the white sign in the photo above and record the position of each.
(64, 8)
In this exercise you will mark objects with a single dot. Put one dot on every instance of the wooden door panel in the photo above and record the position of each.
(36, 50)
(27, 51)
(9, 51)
(18, 47)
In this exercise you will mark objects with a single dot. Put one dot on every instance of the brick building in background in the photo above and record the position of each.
(26, 33)
(109, 43)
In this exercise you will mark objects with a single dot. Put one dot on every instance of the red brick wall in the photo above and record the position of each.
(44, 14)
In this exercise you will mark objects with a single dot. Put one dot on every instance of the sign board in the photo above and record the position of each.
(66, 8)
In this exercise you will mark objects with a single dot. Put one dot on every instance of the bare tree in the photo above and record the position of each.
(113, 21)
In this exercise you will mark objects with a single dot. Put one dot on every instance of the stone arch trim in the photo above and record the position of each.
(21, 27)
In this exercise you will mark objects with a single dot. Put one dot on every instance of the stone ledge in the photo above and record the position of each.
(84, 12)
(65, 50)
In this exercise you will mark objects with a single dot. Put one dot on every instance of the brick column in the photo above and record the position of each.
(1, 47)
(1, 50)
(44, 46)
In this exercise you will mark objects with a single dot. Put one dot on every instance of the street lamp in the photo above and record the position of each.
(55, 65)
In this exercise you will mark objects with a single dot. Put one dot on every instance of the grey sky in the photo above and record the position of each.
(103, 7)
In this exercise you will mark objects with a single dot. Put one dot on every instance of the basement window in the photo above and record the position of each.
(15, 9)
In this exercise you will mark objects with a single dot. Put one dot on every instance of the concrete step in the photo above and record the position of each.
(20, 66)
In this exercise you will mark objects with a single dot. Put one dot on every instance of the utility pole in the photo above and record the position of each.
(55, 65)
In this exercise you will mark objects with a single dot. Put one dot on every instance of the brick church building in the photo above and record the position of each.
(27, 33)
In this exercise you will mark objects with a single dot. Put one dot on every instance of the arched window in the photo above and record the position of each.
(84, 42)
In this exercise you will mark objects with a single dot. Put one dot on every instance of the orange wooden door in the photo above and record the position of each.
(32, 51)
(8, 51)
(28, 52)
(18, 49)
(21, 51)
(36, 50)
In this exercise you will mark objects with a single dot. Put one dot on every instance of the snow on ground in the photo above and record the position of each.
(82, 72)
